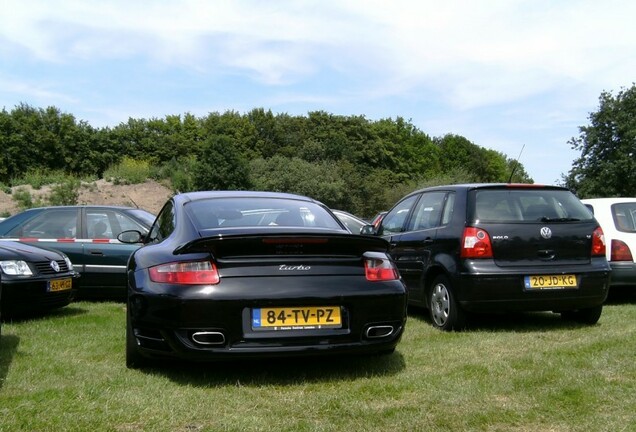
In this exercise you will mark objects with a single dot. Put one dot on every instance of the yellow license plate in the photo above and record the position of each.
(550, 281)
(60, 285)
(296, 318)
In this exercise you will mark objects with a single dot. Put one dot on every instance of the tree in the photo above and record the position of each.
(221, 167)
(607, 165)
(318, 180)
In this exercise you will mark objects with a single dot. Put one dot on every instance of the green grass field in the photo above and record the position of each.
(532, 372)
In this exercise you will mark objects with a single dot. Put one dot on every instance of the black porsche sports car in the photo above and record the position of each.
(244, 274)
(34, 279)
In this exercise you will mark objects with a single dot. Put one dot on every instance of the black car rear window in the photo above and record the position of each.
(250, 212)
(527, 205)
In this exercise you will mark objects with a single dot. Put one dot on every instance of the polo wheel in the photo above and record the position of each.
(445, 312)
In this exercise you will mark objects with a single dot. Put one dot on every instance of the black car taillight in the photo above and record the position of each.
(379, 268)
(185, 273)
(476, 243)
(620, 251)
(598, 242)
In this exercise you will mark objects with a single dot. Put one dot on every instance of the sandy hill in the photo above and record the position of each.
(150, 195)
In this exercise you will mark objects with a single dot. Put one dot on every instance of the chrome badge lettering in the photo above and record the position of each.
(285, 267)
(546, 233)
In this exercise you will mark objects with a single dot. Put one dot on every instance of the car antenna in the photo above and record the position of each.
(133, 201)
(514, 167)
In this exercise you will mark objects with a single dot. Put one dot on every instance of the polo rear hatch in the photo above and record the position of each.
(541, 244)
(533, 225)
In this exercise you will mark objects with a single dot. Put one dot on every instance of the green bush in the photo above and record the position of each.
(128, 171)
(180, 172)
(65, 193)
(25, 200)
(39, 178)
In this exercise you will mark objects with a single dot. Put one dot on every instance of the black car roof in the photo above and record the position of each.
(469, 186)
(194, 196)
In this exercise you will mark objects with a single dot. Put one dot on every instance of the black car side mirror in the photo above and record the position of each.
(367, 230)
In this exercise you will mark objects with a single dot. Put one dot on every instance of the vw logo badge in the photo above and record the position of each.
(55, 266)
(546, 232)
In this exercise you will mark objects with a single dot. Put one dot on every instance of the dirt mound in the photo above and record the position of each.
(150, 195)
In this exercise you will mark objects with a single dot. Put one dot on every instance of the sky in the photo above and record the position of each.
(519, 77)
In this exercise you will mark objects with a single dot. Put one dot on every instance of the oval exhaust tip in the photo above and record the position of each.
(208, 338)
(374, 332)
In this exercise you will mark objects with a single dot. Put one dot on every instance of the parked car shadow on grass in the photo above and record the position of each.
(283, 371)
(66, 311)
(9, 342)
(520, 322)
(8, 347)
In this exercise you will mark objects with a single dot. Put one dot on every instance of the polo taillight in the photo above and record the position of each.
(620, 251)
(380, 269)
(476, 243)
(598, 242)
(185, 273)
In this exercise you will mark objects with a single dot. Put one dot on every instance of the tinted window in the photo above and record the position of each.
(104, 223)
(144, 216)
(448, 208)
(509, 205)
(428, 211)
(352, 224)
(164, 225)
(394, 220)
(249, 212)
(59, 223)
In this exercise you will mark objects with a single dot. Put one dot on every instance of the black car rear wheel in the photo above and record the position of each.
(445, 312)
(585, 316)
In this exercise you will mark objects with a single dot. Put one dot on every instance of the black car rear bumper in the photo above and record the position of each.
(484, 291)
(191, 327)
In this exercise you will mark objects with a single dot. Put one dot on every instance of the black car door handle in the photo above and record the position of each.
(96, 252)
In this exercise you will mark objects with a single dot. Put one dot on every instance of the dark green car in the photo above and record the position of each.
(88, 236)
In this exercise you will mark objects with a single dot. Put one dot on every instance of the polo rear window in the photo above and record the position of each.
(527, 205)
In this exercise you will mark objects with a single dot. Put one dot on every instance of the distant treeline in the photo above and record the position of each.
(348, 162)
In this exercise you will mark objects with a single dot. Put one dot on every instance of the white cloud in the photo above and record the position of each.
(38, 91)
(501, 72)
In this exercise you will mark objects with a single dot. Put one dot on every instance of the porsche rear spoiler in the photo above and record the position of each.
(285, 244)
